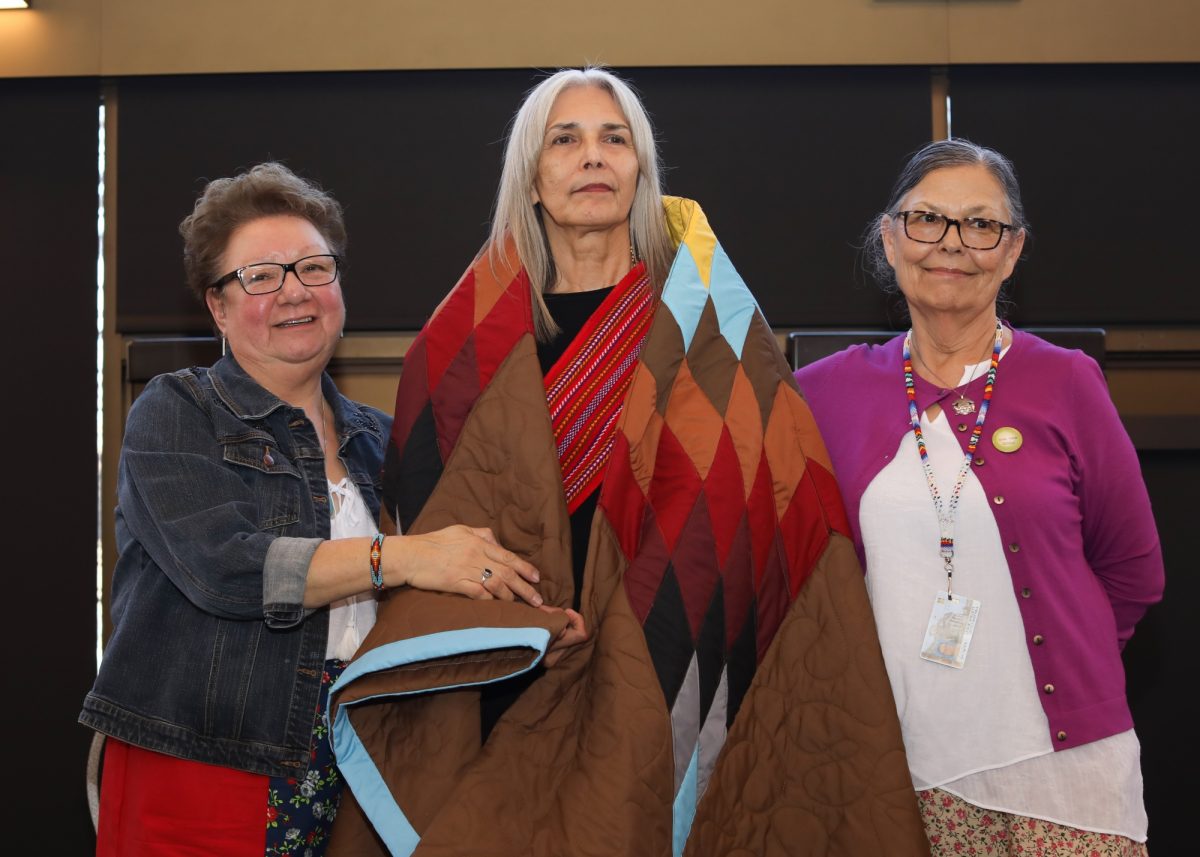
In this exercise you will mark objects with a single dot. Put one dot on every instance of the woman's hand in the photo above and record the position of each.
(465, 560)
(572, 635)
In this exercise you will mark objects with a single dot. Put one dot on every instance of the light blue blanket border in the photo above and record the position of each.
(356, 763)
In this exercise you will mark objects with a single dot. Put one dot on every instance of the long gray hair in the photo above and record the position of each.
(516, 216)
(930, 157)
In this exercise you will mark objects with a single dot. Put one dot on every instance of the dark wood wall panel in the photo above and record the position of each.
(1106, 158)
(48, 184)
(789, 163)
(413, 157)
(1159, 660)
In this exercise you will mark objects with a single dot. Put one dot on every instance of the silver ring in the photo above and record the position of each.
(483, 578)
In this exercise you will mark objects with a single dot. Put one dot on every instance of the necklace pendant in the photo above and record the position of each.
(964, 406)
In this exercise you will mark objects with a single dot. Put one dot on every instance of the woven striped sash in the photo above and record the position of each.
(586, 387)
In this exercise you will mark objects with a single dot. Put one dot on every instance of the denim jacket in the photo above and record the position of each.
(222, 501)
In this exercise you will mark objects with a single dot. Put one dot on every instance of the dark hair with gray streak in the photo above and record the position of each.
(930, 157)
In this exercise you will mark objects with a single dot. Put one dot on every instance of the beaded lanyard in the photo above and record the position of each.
(948, 514)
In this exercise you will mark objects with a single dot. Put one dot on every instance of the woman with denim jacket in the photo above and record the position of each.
(250, 562)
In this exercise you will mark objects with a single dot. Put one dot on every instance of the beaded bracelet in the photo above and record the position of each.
(377, 561)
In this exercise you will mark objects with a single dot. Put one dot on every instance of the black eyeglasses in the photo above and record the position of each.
(929, 227)
(262, 278)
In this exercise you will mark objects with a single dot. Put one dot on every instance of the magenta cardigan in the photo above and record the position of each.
(1070, 504)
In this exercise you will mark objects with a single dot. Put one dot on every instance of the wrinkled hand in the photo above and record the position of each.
(459, 559)
(572, 635)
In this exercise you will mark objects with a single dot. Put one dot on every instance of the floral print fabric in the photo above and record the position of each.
(300, 810)
(955, 827)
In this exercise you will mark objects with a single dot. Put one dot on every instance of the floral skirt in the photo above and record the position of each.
(300, 812)
(155, 805)
(955, 827)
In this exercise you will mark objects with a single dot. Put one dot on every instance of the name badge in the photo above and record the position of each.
(951, 626)
(1007, 439)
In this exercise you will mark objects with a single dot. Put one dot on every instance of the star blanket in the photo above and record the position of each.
(732, 693)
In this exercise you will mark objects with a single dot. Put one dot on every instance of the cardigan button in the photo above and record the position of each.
(1061, 736)
(1049, 688)
(1013, 547)
(1038, 639)
(979, 462)
(1026, 592)
(962, 426)
(998, 500)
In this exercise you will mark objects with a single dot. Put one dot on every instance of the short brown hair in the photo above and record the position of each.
(265, 190)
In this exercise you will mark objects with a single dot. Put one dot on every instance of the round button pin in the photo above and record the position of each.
(1007, 439)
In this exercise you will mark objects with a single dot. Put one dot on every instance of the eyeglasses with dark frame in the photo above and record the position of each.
(929, 227)
(262, 278)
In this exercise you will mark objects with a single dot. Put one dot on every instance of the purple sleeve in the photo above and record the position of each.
(1119, 535)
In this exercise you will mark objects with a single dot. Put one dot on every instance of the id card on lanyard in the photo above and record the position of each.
(951, 626)
(952, 619)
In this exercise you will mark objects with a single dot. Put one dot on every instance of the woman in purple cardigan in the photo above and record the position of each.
(999, 509)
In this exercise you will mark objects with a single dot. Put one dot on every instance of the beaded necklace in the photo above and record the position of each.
(948, 513)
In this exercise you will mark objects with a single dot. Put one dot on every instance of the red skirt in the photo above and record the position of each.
(153, 805)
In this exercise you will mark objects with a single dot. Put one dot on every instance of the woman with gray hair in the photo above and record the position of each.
(601, 390)
(588, 225)
(1006, 531)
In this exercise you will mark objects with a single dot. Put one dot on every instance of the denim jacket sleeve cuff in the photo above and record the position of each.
(285, 575)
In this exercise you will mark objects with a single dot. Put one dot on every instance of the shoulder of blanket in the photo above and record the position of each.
(458, 351)
(688, 228)
(492, 281)
(477, 324)
(703, 275)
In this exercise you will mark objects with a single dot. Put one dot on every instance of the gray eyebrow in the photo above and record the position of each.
(926, 206)
(571, 126)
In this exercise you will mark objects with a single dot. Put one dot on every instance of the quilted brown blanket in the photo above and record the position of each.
(731, 698)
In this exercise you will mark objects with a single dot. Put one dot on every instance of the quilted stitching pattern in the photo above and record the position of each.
(808, 768)
(700, 488)
(732, 698)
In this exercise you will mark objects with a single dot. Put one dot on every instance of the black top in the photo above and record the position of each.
(570, 310)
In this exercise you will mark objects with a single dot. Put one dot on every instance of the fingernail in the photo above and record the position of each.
(537, 601)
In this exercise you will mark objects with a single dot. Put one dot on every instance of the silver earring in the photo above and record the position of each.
(224, 349)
